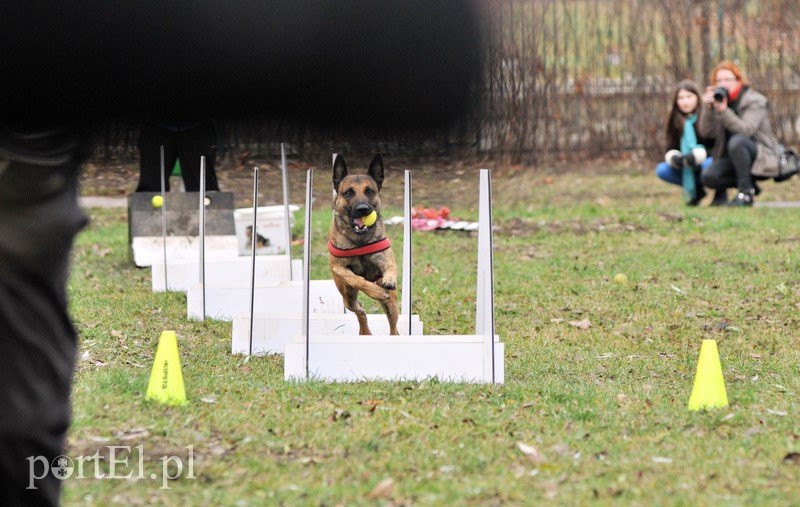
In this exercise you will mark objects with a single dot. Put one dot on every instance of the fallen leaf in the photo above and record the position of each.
(384, 489)
(752, 431)
(530, 452)
(133, 434)
(581, 324)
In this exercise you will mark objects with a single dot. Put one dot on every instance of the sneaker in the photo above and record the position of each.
(742, 199)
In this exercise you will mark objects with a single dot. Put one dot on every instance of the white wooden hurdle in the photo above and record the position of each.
(272, 331)
(183, 274)
(450, 358)
(224, 287)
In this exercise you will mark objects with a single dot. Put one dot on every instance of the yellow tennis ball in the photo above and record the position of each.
(370, 219)
(621, 279)
(157, 201)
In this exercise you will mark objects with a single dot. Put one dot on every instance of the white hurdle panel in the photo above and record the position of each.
(182, 275)
(272, 331)
(450, 358)
(227, 303)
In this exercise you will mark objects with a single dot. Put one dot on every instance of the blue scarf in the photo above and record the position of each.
(689, 137)
(689, 142)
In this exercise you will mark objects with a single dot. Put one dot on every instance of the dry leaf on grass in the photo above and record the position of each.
(581, 324)
(530, 452)
(384, 489)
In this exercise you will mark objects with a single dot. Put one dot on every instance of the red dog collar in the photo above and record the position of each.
(377, 246)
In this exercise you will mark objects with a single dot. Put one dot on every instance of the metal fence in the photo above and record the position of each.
(582, 78)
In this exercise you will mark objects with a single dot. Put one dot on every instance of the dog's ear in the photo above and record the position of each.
(339, 170)
(376, 170)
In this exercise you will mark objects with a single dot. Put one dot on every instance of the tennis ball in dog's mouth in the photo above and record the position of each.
(370, 219)
(157, 201)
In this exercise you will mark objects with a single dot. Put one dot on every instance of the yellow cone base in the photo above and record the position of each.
(166, 379)
(709, 385)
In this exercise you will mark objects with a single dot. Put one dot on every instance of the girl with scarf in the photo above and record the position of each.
(736, 117)
(686, 155)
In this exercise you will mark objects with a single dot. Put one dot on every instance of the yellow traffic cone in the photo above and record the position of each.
(709, 386)
(166, 379)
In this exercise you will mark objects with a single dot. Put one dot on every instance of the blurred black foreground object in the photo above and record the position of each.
(64, 65)
(384, 62)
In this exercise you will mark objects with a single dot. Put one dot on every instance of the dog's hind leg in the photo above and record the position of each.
(351, 302)
(392, 312)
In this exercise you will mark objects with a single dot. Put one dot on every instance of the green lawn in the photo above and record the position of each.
(586, 416)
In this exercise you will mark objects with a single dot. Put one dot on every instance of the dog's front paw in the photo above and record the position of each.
(388, 283)
(376, 292)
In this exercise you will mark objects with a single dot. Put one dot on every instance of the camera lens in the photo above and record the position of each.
(720, 93)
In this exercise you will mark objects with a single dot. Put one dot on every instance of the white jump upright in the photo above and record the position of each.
(164, 219)
(405, 303)
(202, 234)
(450, 358)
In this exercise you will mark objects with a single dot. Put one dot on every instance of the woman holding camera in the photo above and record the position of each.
(686, 154)
(737, 120)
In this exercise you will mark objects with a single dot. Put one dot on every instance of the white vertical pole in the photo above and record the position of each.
(202, 225)
(484, 308)
(405, 304)
(164, 220)
(307, 272)
(253, 236)
(286, 215)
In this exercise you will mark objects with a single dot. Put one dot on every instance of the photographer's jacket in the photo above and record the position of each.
(748, 115)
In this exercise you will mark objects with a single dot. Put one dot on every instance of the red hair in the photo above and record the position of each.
(727, 65)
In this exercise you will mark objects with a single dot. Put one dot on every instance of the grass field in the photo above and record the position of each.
(598, 374)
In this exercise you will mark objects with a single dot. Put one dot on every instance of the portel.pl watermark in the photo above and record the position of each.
(115, 463)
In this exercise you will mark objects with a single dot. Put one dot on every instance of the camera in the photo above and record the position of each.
(720, 93)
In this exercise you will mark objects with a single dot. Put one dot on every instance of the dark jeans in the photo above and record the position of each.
(188, 145)
(39, 218)
(733, 171)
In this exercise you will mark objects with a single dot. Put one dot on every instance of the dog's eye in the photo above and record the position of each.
(349, 193)
(370, 192)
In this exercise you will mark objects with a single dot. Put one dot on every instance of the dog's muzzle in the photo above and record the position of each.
(360, 212)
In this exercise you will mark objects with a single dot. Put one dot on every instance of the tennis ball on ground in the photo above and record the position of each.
(621, 279)
(370, 219)
(157, 201)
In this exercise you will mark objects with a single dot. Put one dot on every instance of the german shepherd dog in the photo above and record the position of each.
(361, 257)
